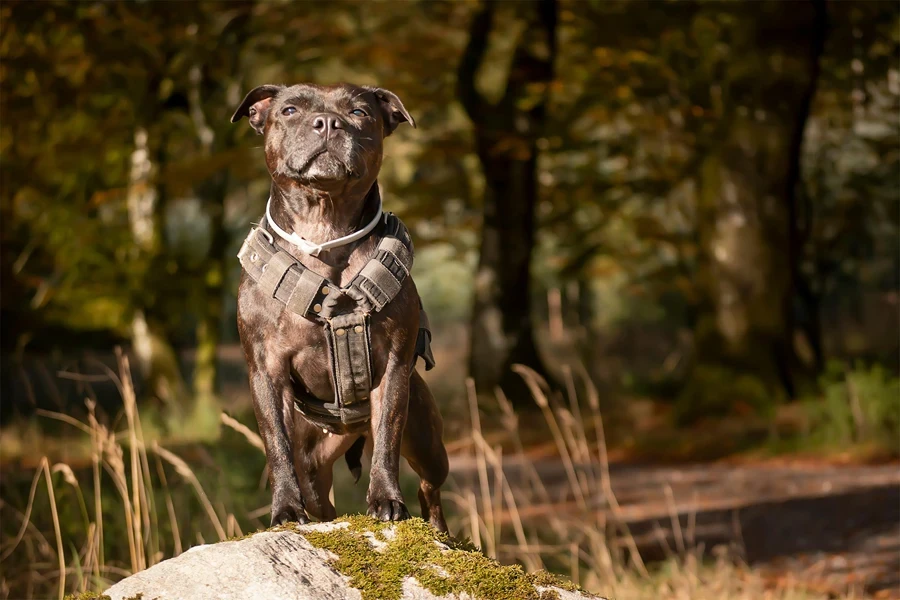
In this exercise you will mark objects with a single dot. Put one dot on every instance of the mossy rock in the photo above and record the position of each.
(354, 557)
(413, 549)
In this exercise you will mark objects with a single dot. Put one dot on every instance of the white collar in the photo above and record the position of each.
(314, 249)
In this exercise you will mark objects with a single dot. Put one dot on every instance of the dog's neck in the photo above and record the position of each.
(319, 217)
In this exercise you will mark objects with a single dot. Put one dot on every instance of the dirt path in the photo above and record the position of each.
(829, 527)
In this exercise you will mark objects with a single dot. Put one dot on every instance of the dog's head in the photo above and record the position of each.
(324, 137)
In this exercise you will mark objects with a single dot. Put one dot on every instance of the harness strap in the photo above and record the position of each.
(399, 251)
(331, 413)
(423, 341)
(282, 277)
(304, 292)
(382, 277)
(379, 283)
(348, 337)
(273, 272)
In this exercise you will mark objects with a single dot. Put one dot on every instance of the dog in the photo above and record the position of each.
(323, 150)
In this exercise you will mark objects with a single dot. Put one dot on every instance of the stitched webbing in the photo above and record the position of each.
(381, 279)
(379, 283)
(399, 250)
(283, 277)
(273, 272)
(305, 291)
(348, 337)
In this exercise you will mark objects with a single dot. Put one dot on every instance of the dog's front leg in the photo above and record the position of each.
(274, 417)
(390, 401)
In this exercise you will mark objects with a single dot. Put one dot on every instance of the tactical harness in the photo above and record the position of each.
(281, 276)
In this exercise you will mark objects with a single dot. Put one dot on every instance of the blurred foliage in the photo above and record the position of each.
(125, 192)
(859, 406)
(644, 94)
(716, 392)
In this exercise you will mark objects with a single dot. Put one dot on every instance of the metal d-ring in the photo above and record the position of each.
(267, 234)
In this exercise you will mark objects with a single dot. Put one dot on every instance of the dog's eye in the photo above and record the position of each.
(358, 112)
(288, 111)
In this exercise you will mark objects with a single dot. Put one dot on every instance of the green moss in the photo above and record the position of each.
(545, 579)
(413, 551)
(96, 596)
(87, 596)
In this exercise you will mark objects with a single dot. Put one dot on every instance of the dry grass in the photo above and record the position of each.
(588, 541)
(592, 546)
(124, 459)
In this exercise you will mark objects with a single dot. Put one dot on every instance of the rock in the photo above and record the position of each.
(356, 558)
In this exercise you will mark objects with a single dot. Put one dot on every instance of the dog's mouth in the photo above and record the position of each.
(326, 165)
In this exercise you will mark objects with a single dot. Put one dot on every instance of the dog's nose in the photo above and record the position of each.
(324, 124)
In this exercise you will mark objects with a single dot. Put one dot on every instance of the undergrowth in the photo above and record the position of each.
(858, 405)
(95, 526)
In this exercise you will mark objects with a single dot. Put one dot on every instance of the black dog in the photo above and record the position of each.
(323, 149)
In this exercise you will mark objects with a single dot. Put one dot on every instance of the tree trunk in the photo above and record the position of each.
(745, 208)
(741, 333)
(211, 92)
(211, 301)
(210, 311)
(502, 331)
(157, 360)
(803, 294)
(506, 133)
(209, 306)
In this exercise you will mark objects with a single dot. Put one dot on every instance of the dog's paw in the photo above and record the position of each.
(289, 514)
(288, 508)
(388, 510)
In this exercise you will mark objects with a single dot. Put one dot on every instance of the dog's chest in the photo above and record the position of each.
(309, 356)
(303, 342)
(313, 351)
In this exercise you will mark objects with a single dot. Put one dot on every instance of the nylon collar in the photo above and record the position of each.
(314, 249)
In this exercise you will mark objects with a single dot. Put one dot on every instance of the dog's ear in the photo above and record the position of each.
(393, 110)
(256, 106)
